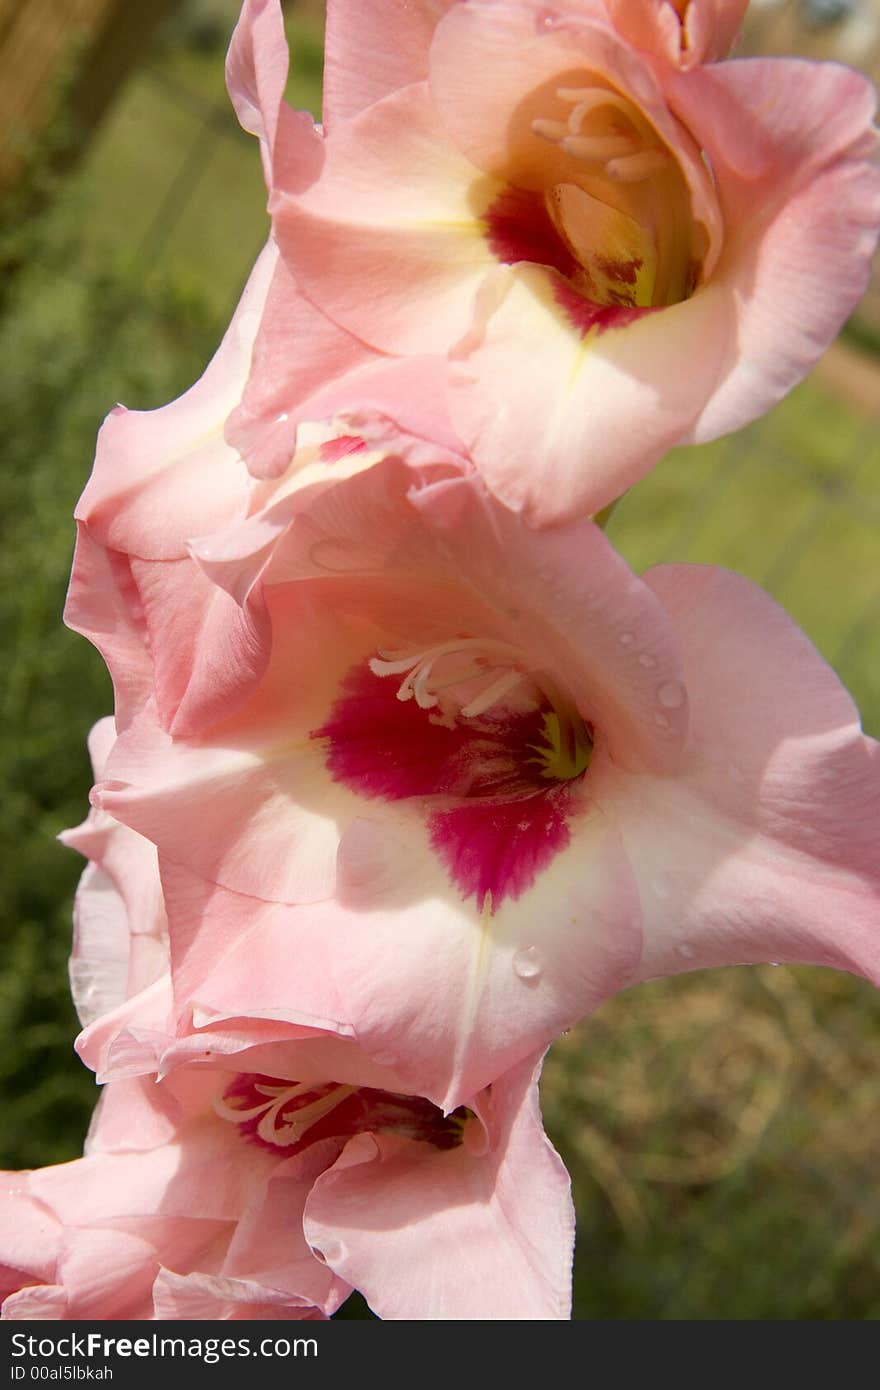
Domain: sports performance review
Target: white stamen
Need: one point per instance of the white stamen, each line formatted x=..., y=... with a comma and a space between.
x=424, y=697
x=492, y=694
x=380, y=666
x=635, y=167
x=600, y=147
x=299, y=1122
x=420, y=683
x=289, y=1127
x=550, y=130
x=620, y=147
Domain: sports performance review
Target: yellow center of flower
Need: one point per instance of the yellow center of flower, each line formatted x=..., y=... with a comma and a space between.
x=618, y=199
x=564, y=750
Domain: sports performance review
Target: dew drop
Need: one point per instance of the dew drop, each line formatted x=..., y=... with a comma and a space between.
x=527, y=963
x=385, y=1059
x=661, y=721
x=330, y=1252
x=686, y=952
x=671, y=694
x=626, y=639
x=647, y=660
x=735, y=773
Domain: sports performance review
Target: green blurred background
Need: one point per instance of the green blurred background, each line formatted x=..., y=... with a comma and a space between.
x=721, y=1128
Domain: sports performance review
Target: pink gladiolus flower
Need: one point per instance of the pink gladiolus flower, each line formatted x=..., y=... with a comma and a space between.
x=488, y=778
x=261, y=1188
x=613, y=255
x=265, y=1181
x=229, y=452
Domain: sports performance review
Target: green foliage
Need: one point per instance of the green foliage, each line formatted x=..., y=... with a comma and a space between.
x=58, y=381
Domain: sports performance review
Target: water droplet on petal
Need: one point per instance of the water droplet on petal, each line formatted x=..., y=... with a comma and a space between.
x=385, y=1059
x=735, y=773
x=671, y=694
x=661, y=721
x=330, y=1252
x=626, y=639
x=685, y=951
x=647, y=660
x=527, y=963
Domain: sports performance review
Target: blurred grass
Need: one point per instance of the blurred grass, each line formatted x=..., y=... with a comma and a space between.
x=721, y=1133
x=721, y=1128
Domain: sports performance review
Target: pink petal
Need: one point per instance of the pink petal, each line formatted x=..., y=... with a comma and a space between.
x=703, y=32
x=219, y=1298
x=765, y=846
x=801, y=195
x=119, y=918
x=125, y=1041
x=226, y=953
x=133, y=1114
x=263, y=427
x=360, y=963
x=270, y=1249
x=372, y=50
x=29, y=1237
x=36, y=1303
x=181, y=796
x=256, y=73
x=544, y=427
x=107, y=1274
x=208, y=650
x=389, y=241
x=102, y=604
x=453, y=1235
x=487, y=60
x=518, y=976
